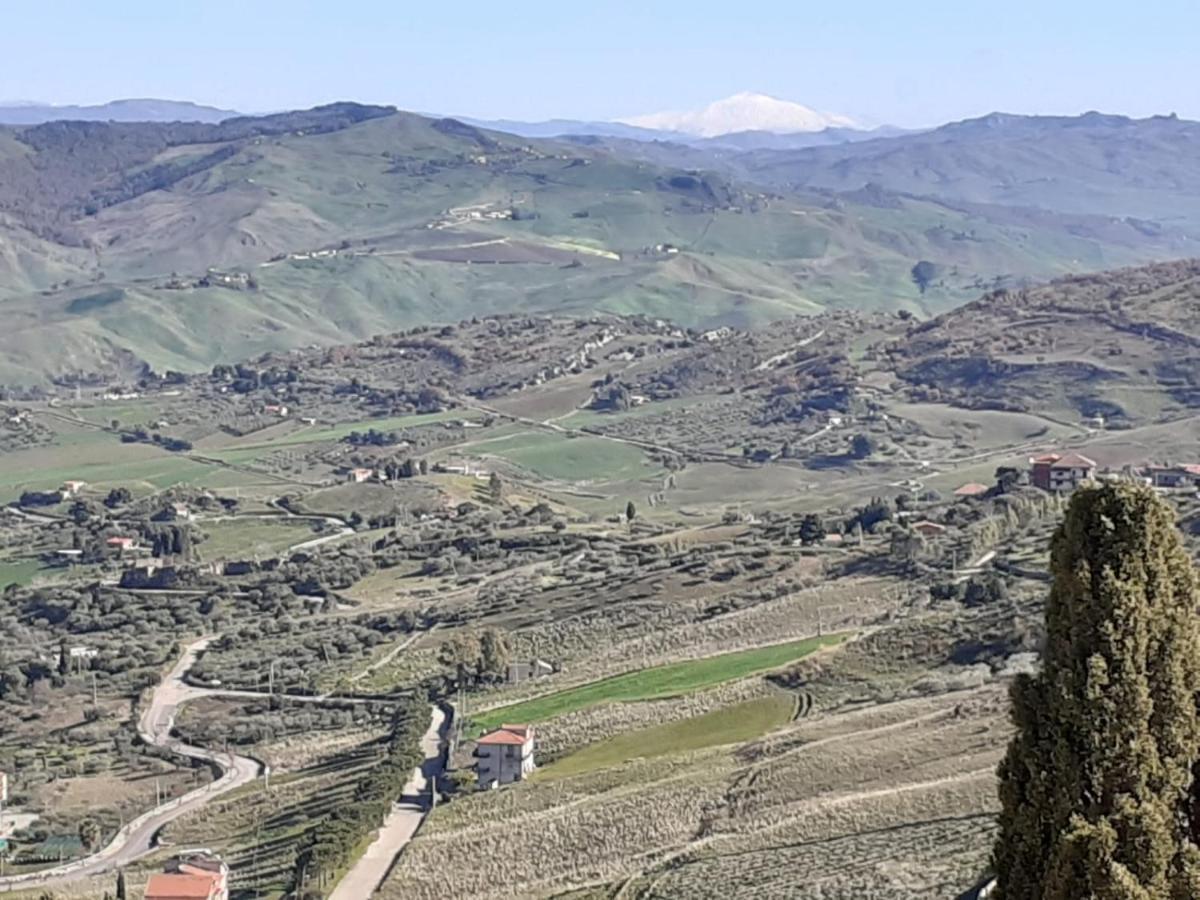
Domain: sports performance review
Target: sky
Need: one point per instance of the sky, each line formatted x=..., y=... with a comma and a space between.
x=882, y=61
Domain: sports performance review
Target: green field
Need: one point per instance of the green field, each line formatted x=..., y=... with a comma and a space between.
x=729, y=725
x=250, y=537
x=660, y=681
x=18, y=571
x=97, y=458
x=572, y=459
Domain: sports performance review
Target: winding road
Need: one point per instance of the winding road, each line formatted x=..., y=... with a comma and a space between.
x=137, y=838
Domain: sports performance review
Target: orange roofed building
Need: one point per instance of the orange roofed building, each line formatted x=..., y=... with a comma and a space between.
x=196, y=876
x=504, y=756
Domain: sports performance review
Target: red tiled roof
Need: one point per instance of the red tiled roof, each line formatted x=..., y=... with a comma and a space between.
x=925, y=523
x=1192, y=470
x=163, y=886
x=973, y=489
x=1074, y=461
x=507, y=734
x=1046, y=459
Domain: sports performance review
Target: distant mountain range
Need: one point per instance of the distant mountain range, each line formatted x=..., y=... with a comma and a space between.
x=147, y=110
x=1093, y=164
x=743, y=122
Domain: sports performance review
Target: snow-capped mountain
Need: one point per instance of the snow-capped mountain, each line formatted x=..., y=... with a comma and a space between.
x=743, y=112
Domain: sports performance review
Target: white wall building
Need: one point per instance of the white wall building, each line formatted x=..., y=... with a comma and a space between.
x=504, y=756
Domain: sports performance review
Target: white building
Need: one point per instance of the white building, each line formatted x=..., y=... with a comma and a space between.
x=504, y=756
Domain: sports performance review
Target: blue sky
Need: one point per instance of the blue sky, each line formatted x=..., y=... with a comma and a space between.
x=910, y=63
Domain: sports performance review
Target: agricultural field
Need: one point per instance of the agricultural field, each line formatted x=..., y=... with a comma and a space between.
x=657, y=682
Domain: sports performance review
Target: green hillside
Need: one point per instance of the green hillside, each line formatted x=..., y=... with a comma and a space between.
x=337, y=223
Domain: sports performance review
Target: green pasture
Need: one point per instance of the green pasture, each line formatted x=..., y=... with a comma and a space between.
x=660, y=681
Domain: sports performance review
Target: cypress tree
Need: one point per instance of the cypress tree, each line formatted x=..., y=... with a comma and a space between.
x=1095, y=786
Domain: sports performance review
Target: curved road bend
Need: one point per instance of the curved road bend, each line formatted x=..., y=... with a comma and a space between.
x=136, y=839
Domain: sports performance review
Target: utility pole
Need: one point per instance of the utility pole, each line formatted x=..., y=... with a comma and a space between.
x=95, y=701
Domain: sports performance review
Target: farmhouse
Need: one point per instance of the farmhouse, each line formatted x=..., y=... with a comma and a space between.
x=122, y=543
x=1055, y=473
x=72, y=488
x=523, y=671
x=1173, y=476
x=181, y=513
x=504, y=756
x=358, y=476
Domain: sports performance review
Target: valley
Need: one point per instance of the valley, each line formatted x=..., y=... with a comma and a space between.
x=654, y=506
x=759, y=592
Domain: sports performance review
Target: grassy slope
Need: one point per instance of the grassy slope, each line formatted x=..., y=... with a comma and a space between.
x=730, y=725
x=659, y=681
x=572, y=459
x=746, y=260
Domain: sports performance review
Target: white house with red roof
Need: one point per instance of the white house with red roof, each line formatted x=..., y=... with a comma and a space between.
x=504, y=756
x=1054, y=472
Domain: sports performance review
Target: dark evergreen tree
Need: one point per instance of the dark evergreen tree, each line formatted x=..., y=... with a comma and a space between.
x=812, y=529
x=1095, y=786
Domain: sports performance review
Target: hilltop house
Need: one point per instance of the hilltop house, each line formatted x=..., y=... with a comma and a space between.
x=504, y=756
x=1056, y=473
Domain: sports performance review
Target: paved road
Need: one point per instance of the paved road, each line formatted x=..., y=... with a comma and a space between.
x=401, y=824
x=137, y=839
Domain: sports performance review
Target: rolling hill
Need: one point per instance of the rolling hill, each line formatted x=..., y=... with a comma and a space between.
x=1092, y=164
x=1123, y=346
x=181, y=245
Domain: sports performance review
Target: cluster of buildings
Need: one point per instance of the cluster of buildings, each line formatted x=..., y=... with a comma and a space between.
x=1060, y=473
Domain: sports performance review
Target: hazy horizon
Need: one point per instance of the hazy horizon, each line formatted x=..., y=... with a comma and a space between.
x=873, y=61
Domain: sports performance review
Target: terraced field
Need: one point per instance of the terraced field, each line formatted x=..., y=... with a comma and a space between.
x=658, y=682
